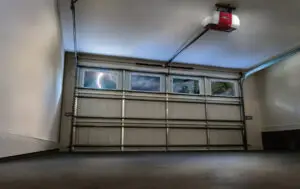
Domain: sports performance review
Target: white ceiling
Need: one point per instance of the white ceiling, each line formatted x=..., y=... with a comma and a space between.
x=155, y=29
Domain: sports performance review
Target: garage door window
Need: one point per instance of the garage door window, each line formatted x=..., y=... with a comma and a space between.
x=100, y=79
x=223, y=88
x=185, y=85
x=146, y=82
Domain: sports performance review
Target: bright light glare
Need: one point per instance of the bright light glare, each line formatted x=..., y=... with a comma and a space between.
x=99, y=78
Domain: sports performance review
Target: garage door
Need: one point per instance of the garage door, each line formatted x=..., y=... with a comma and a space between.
x=138, y=109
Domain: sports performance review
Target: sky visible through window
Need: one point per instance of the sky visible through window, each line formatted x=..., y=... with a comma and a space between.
x=145, y=83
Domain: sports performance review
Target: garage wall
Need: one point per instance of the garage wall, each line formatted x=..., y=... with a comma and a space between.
x=100, y=116
x=279, y=90
x=31, y=73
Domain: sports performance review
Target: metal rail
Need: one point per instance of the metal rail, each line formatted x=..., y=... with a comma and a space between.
x=206, y=116
x=160, y=146
x=159, y=127
x=243, y=114
x=186, y=45
x=123, y=112
x=73, y=9
x=167, y=114
x=158, y=93
x=193, y=101
x=157, y=119
x=160, y=123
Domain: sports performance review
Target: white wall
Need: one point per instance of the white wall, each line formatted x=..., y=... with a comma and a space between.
x=31, y=72
x=279, y=94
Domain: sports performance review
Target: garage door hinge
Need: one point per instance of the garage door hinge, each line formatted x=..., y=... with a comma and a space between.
x=68, y=114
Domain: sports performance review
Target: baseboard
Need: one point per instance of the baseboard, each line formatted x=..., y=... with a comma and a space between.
x=14, y=145
x=29, y=155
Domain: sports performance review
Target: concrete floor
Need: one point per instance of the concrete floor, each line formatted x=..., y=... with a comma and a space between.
x=154, y=171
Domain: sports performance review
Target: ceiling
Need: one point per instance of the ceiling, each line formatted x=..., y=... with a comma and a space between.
x=155, y=29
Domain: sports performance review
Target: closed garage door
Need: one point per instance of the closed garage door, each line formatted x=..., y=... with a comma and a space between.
x=137, y=109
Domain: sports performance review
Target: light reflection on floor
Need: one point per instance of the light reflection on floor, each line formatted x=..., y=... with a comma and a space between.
x=174, y=170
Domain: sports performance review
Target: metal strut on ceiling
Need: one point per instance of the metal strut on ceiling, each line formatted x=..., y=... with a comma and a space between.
x=186, y=45
x=220, y=7
x=73, y=9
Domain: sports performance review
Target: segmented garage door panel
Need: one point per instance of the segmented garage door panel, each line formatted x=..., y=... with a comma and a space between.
x=105, y=136
x=147, y=136
x=223, y=112
x=82, y=136
x=187, y=137
x=99, y=107
x=225, y=137
x=186, y=111
x=98, y=136
x=144, y=109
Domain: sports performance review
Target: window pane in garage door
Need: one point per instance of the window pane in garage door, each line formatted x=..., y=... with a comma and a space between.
x=223, y=88
x=146, y=82
x=185, y=85
x=100, y=80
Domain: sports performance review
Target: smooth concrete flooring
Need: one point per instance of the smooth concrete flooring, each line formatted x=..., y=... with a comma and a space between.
x=154, y=171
